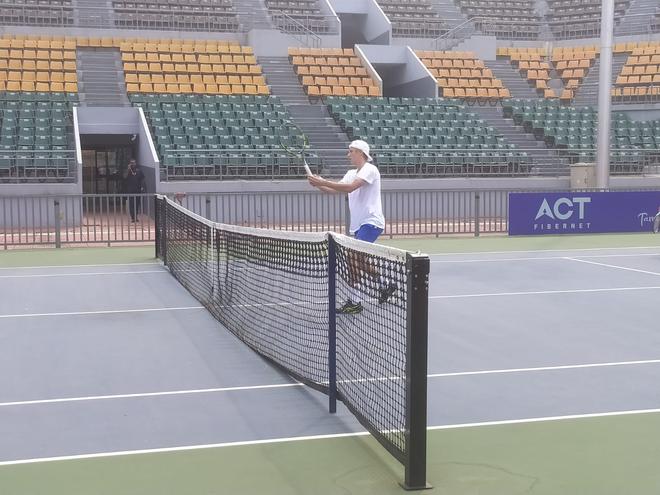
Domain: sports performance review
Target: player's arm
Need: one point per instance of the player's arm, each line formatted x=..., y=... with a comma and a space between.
x=332, y=186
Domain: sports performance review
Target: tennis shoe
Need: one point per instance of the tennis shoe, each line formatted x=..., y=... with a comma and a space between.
x=386, y=292
x=350, y=308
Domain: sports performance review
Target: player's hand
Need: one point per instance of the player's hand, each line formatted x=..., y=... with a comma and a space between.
x=316, y=180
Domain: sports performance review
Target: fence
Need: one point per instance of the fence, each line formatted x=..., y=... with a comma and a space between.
x=105, y=219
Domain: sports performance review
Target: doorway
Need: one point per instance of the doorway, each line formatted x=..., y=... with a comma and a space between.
x=104, y=169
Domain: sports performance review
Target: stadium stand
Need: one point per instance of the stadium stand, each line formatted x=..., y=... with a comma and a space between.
x=413, y=18
x=37, y=65
x=184, y=15
x=579, y=18
x=427, y=136
x=191, y=66
x=532, y=65
x=634, y=145
x=640, y=76
x=305, y=12
x=38, y=87
x=572, y=64
x=462, y=75
x=332, y=72
x=221, y=136
x=33, y=13
x=35, y=134
x=505, y=19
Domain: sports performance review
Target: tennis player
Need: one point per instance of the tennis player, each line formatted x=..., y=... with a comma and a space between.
x=362, y=184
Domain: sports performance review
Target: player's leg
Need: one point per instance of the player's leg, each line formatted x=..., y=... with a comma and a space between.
x=370, y=233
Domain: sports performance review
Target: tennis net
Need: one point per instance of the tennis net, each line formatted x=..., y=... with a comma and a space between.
x=277, y=291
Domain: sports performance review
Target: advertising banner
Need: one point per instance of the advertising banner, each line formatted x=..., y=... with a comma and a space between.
x=582, y=213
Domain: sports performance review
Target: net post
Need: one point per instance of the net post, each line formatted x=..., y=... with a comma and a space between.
x=477, y=212
x=157, y=224
x=418, y=266
x=163, y=229
x=58, y=225
x=332, y=325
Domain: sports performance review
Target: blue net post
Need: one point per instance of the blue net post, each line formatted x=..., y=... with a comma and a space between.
x=332, y=326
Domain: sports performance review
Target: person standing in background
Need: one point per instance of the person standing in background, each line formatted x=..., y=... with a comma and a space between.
x=134, y=184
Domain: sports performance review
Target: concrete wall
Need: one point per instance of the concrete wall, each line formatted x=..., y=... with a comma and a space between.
x=363, y=21
x=108, y=120
x=146, y=154
x=402, y=72
x=484, y=47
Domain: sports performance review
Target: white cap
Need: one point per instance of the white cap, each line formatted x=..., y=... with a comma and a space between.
x=358, y=144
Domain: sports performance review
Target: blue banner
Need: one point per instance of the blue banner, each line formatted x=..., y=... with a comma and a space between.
x=582, y=213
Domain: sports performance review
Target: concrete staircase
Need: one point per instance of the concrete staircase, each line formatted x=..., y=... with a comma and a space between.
x=325, y=137
x=282, y=79
x=253, y=14
x=101, y=77
x=587, y=92
x=638, y=18
x=518, y=86
x=449, y=12
x=93, y=13
x=544, y=161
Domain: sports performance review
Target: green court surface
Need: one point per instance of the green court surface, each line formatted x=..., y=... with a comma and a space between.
x=595, y=455
x=464, y=244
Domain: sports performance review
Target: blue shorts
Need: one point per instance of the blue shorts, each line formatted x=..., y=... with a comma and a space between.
x=368, y=232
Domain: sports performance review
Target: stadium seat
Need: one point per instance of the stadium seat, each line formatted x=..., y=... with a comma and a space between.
x=235, y=73
x=427, y=136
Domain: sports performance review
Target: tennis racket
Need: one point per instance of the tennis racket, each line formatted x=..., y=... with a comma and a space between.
x=298, y=152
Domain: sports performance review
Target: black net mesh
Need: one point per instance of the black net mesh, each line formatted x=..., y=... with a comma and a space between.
x=270, y=288
x=371, y=345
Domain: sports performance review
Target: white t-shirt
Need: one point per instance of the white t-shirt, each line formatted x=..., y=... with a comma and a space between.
x=364, y=203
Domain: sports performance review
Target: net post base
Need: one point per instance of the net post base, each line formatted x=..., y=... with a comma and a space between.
x=409, y=488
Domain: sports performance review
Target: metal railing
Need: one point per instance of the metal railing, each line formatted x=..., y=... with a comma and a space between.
x=409, y=27
x=33, y=165
x=75, y=219
x=542, y=30
x=105, y=219
x=305, y=29
x=455, y=35
x=414, y=162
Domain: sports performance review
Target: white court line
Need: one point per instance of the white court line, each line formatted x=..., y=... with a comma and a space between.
x=542, y=292
x=545, y=258
x=298, y=384
x=104, y=312
x=85, y=274
x=566, y=250
x=321, y=437
x=74, y=266
x=149, y=394
x=544, y=368
x=613, y=266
